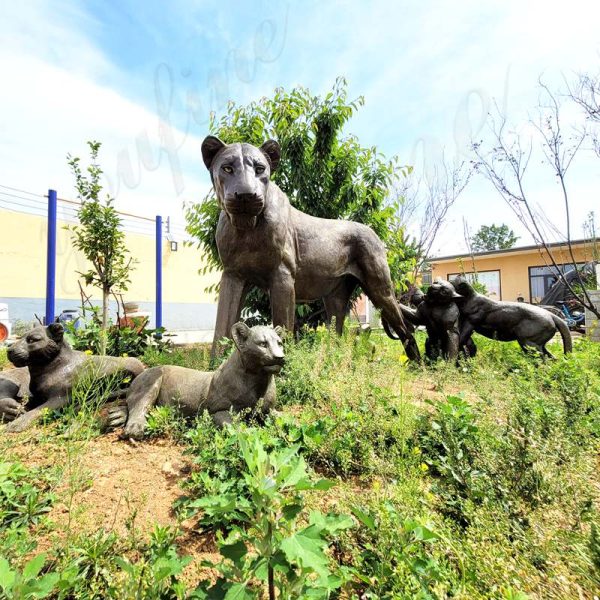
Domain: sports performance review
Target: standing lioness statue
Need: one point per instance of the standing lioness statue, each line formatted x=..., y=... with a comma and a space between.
x=245, y=381
x=264, y=241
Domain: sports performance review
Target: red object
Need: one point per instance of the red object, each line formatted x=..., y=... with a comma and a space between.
x=3, y=332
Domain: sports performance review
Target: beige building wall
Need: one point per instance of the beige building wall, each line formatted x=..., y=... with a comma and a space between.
x=23, y=241
x=513, y=267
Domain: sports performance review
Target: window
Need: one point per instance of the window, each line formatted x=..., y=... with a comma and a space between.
x=426, y=277
x=541, y=279
x=490, y=279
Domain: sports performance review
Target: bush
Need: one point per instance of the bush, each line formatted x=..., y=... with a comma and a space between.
x=119, y=341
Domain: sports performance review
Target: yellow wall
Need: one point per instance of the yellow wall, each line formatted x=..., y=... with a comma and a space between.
x=513, y=266
x=23, y=264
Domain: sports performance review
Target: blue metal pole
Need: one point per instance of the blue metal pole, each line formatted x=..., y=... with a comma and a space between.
x=51, y=257
x=158, y=271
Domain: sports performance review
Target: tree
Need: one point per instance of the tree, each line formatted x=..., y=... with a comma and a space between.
x=493, y=237
x=423, y=202
x=324, y=172
x=586, y=93
x=99, y=236
x=504, y=160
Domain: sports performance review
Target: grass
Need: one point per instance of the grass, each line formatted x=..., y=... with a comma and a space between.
x=477, y=481
x=3, y=359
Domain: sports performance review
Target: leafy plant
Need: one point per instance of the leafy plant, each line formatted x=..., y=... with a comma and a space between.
x=449, y=445
x=164, y=421
x=26, y=584
x=117, y=340
x=99, y=235
x=22, y=503
x=268, y=549
x=393, y=554
x=493, y=237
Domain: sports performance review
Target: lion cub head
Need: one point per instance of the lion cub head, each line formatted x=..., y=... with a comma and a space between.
x=39, y=346
x=240, y=174
x=441, y=292
x=463, y=287
x=260, y=347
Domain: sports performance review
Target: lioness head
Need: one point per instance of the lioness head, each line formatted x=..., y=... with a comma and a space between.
x=260, y=347
x=240, y=174
x=441, y=292
x=38, y=346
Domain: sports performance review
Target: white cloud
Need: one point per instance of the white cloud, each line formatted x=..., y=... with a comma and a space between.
x=55, y=103
x=417, y=65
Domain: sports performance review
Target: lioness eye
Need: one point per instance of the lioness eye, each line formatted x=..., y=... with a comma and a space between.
x=259, y=169
x=227, y=169
x=263, y=344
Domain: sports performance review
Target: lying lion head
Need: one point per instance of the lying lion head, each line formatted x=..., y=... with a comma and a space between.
x=38, y=346
x=260, y=347
x=240, y=174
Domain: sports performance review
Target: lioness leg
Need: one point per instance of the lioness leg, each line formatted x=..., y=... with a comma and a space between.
x=231, y=300
x=336, y=304
x=283, y=299
x=141, y=397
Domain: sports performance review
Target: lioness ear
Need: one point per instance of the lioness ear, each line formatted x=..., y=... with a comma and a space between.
x=279, y=330
x=240, y=332
x=272, y=150
x=56, y=331
x=210, y=148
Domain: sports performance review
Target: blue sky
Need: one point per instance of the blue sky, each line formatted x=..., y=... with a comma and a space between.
x=142, y=78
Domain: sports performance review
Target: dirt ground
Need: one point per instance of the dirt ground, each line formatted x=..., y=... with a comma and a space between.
x=117, y=486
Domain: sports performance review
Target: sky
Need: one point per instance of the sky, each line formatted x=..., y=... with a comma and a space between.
x=143, y=77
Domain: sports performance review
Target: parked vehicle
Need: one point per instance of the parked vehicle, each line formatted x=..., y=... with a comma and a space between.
x=4, y=323
x=573, y=314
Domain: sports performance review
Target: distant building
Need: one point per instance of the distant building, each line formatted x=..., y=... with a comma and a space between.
x=186, y=304
x=509, y=274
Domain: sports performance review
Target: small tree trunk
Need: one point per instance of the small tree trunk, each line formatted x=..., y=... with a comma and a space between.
x=271, y=583
x=104, y=340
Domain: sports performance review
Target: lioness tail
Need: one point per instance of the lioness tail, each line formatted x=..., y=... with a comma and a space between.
x=562, y=327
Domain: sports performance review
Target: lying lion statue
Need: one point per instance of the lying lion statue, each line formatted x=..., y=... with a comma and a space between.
x=54, y=368
x=244, y=381
x=531, y=326
x=14, y=391
x=263, y=241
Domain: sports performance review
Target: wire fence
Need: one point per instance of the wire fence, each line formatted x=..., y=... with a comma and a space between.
x=19, y=200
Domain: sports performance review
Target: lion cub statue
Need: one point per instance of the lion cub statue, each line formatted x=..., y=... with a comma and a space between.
x=244, y=381
x=54, y=368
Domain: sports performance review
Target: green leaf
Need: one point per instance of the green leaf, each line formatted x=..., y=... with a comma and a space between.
x=291, y=511
x=364, y=517
x=7, y=576
x=330, y=523
x=234, y=552
x=34, y=566
x=238, y=591
x=323, y=485
x=305, y=548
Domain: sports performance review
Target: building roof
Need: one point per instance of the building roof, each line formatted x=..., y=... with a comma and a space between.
x=498, y=253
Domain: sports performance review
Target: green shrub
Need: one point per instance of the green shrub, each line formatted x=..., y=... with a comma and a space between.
x=449, y=441
x=393, y=554
x=266, y=550
x=25, y=500
x=119, y=341
x=165, y=421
